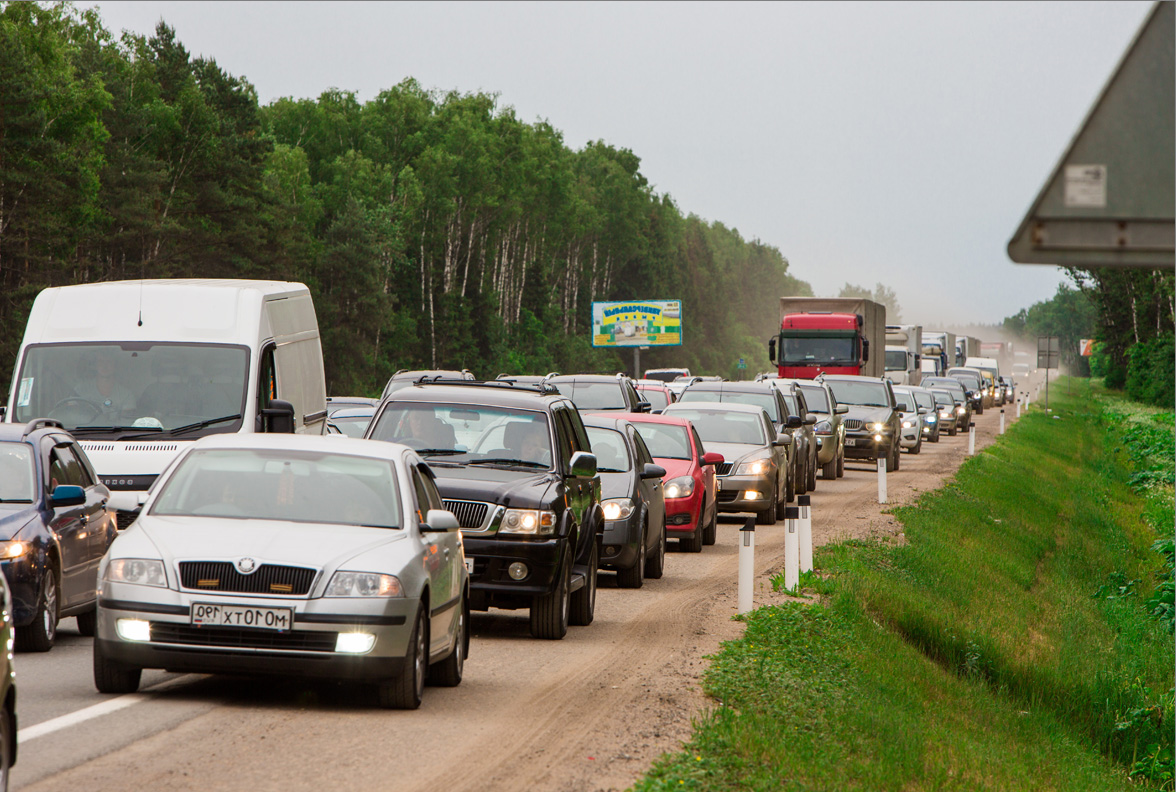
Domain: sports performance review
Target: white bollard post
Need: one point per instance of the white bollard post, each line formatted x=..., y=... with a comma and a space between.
x=806, y=533
x=746, y=565
x=972, y=440
x=881, y=480
x=1002, y=420
x=791, y=549
x=1018, y=409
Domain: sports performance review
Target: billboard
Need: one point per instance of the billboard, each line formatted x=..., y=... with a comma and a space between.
x=637, y=323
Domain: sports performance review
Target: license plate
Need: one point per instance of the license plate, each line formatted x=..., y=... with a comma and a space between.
x=206, y=614
x=469, y=562
x=851, y=441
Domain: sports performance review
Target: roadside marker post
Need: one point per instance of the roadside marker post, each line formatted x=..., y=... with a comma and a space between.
x=1002, y=420
x=1018, y=409
x=972, y=440
x=881, y=480
x=806, y=533
x=746, y=565
x=791, y=549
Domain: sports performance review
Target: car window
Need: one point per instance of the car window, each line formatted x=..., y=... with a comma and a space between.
x=565, y=436
x=769, y=429
x=64, y=468
x=665, y=441
x=427, y=496
x=17, y=473
x=815, y=399
x=903, y=401
x=590, y=396
x=88, y=474
x=767, y=401
x=925, y=399
x=579, y=433
x=697, y=441
x=609, y=446
x=643, y=455
x=866, y=394
x=466, y=433
x=657, y=398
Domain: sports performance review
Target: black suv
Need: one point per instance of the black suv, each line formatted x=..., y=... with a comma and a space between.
x=599, y=392
x=514, y=464
x=54, y=529
x=873, y=425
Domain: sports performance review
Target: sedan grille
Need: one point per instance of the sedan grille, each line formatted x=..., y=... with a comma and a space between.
x=727, y=496
x=854, y=424
x=469, y=514
x=241, y=638
x=268, y=579
x=724, y=468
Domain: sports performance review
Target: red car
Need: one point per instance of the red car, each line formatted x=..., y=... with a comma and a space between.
x=689, y=484
x=656, y=393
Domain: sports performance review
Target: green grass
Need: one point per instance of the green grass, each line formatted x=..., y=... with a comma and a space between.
x=1006, y=645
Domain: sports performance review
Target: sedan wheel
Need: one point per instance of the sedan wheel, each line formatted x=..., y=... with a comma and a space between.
x=407, y=689
x=447, y=673
x=656, y=563
x=711, y=533
x=7, y=744
x=634, y=576
x=42, y=632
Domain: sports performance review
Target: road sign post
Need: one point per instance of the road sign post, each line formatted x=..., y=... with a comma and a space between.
x=1048, y=356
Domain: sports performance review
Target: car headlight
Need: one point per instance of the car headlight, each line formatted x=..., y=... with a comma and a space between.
x=617, y=508
x=141, y=571
x=945, y=414
x=13, y=549
x=530, y=522
x=681, y=487
x=879, y=427
x=753, y=467
x=363, y=584
x=960, y=410
x=823, y=427
x=907, y=424
x=930, y=418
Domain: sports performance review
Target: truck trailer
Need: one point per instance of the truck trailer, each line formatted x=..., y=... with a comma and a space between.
x=940, y=345
x=829, y=335
x=904, y=354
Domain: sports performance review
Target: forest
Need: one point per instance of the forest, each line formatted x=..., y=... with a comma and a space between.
x=434, y=229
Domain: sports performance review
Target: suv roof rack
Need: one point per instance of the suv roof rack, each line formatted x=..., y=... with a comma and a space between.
x=41, y=423
x=541, y=388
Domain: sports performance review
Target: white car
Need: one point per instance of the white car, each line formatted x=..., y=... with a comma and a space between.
x=288, y=554
x=911, y=420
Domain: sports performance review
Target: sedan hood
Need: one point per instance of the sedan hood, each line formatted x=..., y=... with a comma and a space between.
x=13, y=517
x=616, y=485
x=733, y=452
x=676, y=467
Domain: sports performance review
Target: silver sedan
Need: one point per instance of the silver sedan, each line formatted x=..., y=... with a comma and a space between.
x=288, y=554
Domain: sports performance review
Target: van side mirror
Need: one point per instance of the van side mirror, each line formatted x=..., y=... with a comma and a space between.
x=583, y=464
x=278, y=418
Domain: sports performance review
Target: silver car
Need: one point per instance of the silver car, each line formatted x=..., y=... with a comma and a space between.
x=288, y=554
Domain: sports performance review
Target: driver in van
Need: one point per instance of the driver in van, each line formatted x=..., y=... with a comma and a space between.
x=104, y=391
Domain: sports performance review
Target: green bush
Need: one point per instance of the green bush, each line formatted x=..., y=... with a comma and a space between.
x=1151, y=373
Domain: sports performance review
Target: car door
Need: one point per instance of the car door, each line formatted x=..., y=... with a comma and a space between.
x=100, y=526
x=779, y=453
x=441, y=554
x=69, y=525
x=710, y=478
x=652, y=490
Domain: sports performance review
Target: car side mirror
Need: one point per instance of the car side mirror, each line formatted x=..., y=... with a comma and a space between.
x=644, y=406
x=810, y=419
x=793, y=422
x=67, y=495
x=278, y=418
x=782, y=440
x=841, y=409
x=583, y=464
x=439, y=521
x=713, y=458
x=923, y=411
x=652, y=471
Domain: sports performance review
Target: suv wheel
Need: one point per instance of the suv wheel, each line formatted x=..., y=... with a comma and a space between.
x=549, y=612
x=829, y=469
x=583, y=605
x=812, y=474
x=655, y=565
x=42, y=632
x=841, y=463
x=634, y=576
x=892, y=454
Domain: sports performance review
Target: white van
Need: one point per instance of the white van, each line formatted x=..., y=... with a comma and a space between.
x=137, y=370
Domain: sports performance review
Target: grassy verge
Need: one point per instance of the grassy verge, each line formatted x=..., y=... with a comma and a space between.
x=1009, y=644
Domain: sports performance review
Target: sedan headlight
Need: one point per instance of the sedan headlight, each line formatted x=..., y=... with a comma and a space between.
x=363, y=584
x=960, y=410
x=823, y=427
x=13, y=549
x=141, y=571
x=907, y=424
x=617, y=508
x=530, y=522
x=753, y=467
x=930, y=418
x=945, y=414
x=681, y=487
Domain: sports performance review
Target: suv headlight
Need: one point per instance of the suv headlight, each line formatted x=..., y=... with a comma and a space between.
x=528, y=522
x=141, y=571
x=616, y=508
x=753, y=467
x=823, y=427
x=908, y=424
x=363, y=584
x=881, y=427
x=681, y=487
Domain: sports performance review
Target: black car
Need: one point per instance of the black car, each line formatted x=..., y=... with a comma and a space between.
x=873, y=425
x=973, y=382
x=515, y=465
x=596, y=392
x=404, y=378
x=54, y=529
x=632, y=499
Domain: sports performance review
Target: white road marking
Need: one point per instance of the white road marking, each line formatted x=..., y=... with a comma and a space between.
x=95, y=711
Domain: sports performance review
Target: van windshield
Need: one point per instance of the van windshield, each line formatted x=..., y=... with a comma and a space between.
x=117, y=389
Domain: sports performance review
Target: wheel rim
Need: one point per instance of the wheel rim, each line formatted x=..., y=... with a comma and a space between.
x=418, y=663
x=49, y=616
x=459, y=649
x=565, y=605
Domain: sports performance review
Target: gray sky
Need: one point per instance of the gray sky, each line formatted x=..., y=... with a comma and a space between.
x=893, y=142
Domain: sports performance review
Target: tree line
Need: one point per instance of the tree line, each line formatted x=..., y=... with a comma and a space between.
x=434, y=229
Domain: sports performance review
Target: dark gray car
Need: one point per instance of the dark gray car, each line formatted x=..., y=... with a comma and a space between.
x=872, y=425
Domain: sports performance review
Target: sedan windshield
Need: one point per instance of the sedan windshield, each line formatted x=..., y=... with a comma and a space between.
x=904, y=401
x=609, y=447
x=726, y=427
x=16, y=473
x=665, y=441
x=658, y=400
x=864, y=394
x=295, y=486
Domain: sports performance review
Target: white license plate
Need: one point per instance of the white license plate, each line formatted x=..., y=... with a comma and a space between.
x=206, y=614
x=469, y=562
x=851, y=441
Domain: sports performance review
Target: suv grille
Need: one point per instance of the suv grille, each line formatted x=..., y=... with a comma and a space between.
x=724, y=468
x=240, y=638
x=469, y=514
x=854, y=424
x=268, y=579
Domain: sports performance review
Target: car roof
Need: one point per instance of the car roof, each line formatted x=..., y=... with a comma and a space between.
x=603, y=421
x=733, y=387
x=588, y=378
x=301, y=442
x=501, y=395
x=851, y=378
x=31, y=431
x=354, y=412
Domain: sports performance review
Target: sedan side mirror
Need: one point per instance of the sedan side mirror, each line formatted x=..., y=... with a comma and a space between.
x=782, y=440
x=713, y=458
x=439, y=521
x=841, y=409
x=644, y=406
x=652, y=471
x=583, y=464
x=793, y=422
x=810, y=419
x=67, y=495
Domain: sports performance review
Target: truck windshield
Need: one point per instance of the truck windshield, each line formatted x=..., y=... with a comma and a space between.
x=112, y=388
x=896, y=360
x=810, y=351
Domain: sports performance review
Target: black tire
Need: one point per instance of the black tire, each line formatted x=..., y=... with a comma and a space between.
x=954, y=428
x=655, y=564
x=799, y=473
x=693, y=544
x=406, y=690
x=88, y=622
x=781, y=508
x=710, y=534
x=918, y=445
x=841, y=463
x=550, y=611
x=583, y=604
x=634, y=576
x=7, y=744
x=829, y=469
x=447, y=672
x=790, y=489
x=39, y=635
x=892, y=457
x=979, y=410
x=111, y=676
x=897, y=456
x=812, y=474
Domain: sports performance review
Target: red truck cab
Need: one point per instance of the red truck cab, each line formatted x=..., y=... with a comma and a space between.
x=821, y=343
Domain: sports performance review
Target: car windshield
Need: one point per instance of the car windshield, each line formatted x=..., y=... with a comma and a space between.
x=665, y=441
x=725, y=427
x=352, y=425
x=589, y=396
x=809, y=351
x=293, y=486
x=790, y=400
x=765, y=400
x=864, y=394
x=468, y=434
x=16, y=473
x=943, y=399
x=925, y=399
x=143, y=386
x=666, y=375
x=896, y=360
x=904, y=401
x=949, y=384
x=658, y=400
x=816, y=399
x=609, y=447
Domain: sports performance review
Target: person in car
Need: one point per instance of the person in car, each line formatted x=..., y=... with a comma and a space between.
x=427, y=429
x=529, y=441
x=104, y=391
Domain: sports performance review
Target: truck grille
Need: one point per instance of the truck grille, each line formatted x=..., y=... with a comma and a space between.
x=241, y=638
x=853, y=424
x=724, y=468
x=469, y=514
x=268, y=579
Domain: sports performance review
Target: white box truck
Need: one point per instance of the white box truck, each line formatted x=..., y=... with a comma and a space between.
x=136, y=370
x=904, y=354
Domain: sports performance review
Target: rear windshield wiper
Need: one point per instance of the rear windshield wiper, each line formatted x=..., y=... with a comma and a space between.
x=500, y=461
x=202, y=424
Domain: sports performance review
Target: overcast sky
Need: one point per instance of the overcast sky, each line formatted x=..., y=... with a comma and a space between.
x=892, y=142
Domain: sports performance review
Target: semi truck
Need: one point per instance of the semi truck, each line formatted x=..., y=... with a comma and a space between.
x=829, y=335
x=939, y=345
x=966, y=347
x=904, y=354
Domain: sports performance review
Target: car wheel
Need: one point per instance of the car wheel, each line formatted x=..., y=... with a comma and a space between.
x=841, y=463
x=42, y=632
x=88, y=622
x=447, y=673
x=954, y=428
x=799, y=473
x=656, y=563
x=7, y=744
x=711, y=534
x=406, y=690
x=634, y=576
x=918, y=445
x=549, y=612
x=892, y=457
x=583, y=605
x=781, y=507
x=111, y=676
x=768, y=515
x=829, y=469
x=693, y=544
x=790, y=489
x=812, y=474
